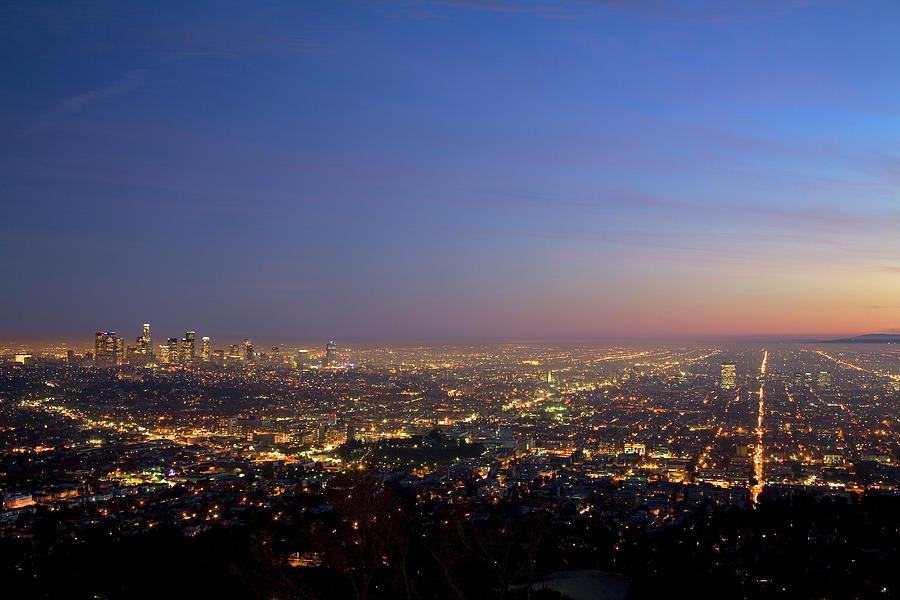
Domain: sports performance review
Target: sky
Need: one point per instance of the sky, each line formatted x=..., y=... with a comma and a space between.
x=426, y=169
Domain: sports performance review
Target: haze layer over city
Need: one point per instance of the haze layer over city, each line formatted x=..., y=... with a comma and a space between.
x=450, y=300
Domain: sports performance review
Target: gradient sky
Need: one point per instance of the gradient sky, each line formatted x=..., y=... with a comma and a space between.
x=456, y=168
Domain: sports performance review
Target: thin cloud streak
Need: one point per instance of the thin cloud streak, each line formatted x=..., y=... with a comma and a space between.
x=501, y=7
x=132, y=81
x=665, y=9
x=813, y=218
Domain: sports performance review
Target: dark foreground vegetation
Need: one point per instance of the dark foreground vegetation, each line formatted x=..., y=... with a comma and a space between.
x=364, y=538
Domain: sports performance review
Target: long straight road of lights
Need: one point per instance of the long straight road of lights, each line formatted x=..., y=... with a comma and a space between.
x=758, y=453
x=850, y=365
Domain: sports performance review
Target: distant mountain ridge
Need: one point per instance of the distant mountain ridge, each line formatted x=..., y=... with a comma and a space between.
x=869, y=338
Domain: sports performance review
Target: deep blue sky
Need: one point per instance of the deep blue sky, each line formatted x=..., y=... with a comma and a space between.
x=465, y=168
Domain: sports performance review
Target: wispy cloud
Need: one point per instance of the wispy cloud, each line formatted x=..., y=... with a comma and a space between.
x=669, y=9
x=816, y=218
x=498, y=6
x=132, y=81
x=224, y=56
x=577, y=7
x=889, y=269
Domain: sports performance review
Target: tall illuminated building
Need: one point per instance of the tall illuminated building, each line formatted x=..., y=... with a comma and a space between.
x=110, y=345
x=823, y=380
x=276, y=355
x=172, y=350
x=204, y=349
x=330, y=354
x=108, y=348
x=187, y=346
x=728, y=376
x=118, y=350
x=248, y=349
x=143, y=344
x=99, y=345
x=303, y=360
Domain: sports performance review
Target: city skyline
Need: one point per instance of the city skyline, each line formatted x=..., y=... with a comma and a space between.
x=459, y=170
x=85, y=341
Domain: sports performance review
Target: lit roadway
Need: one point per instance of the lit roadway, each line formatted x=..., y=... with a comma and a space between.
x=850, y=365
x=758, y=453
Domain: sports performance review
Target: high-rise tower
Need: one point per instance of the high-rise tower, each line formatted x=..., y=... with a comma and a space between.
x=187, y=346
x=108, y=349
x=728, y=376
x=303, y=360
x=118, y=346
x=99, y=345
x=143, y=343
x=172, y=350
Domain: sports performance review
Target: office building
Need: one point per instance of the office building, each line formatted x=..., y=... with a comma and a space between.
x=118, y=350
x=189, y=337
x=172, y=350
x=144, y=344
x=99, y=345
x=204, y=349
x=303, y=360
x=729, y=376
x=109, y=349
x=187, y=346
